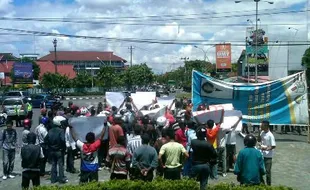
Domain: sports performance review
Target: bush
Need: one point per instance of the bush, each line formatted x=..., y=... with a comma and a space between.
x=158, y=184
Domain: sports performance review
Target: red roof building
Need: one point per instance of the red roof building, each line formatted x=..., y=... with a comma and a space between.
x=86, y=61
x=49, y=67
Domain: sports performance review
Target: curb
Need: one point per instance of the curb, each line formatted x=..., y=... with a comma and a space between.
x=85, y=98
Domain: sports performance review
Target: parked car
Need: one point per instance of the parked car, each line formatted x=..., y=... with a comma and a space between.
x=16, y=94
x=8, y=107
x=37, y=99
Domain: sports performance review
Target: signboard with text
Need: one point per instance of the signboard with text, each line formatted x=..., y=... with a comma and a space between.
x=223, y=57
x=23, y=73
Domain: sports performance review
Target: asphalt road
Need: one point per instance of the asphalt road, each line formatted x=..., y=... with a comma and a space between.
x=290, y=167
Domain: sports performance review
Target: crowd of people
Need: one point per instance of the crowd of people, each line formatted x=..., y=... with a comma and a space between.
x=135, y=146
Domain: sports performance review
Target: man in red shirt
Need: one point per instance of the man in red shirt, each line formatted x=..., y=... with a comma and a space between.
x=115, y=131
x=180, y=133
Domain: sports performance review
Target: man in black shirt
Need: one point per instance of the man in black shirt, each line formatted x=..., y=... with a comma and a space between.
x=31, y=155
x=204, y=155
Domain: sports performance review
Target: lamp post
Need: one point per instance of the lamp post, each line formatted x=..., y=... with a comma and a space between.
x=288, y=49
x=204, y=53
x=256, y=30
x=55, y=52
x=101, y=61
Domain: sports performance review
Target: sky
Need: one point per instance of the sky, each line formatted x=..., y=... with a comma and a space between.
x=205, y=22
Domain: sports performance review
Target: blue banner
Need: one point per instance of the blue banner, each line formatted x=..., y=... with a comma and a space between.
x=283, y=101
x=23, y=73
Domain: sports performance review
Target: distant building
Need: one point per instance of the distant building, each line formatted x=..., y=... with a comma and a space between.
x=31, y=56
x=86, y=61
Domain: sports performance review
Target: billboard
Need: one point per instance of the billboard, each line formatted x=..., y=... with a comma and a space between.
x=223, y=57
x=23, y=73
x=262, y=51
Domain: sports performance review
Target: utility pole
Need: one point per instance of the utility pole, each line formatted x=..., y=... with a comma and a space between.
x=55, y=52
x=131, y=49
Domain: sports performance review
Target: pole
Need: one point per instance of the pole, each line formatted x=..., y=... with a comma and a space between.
x=131, y=48
x=256, y=50
x=288, y=58
x=246, y=61
x=92, y=75
x=110, y=59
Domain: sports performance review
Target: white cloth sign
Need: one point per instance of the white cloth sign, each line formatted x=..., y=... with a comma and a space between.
x=143, y=98
x=155, y=113
x=166, y=101
x=115, y=98
x=221, y=106
x=84, y=125
x=205, y=115
x=230, y=118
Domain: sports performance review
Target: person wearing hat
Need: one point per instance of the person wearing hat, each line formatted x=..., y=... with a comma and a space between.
x=26, y=131
x=204, y=155
x=55, y=140
x=31, y=156
x=249, y=166
x=41, y=132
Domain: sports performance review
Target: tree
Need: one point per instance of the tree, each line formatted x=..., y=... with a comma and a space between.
x=305, y=61
x=35, y=68
x=139, y=75
x=106, y=77
x=82, y=80
x=55, y=81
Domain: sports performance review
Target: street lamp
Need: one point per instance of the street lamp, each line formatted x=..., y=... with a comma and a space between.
x=288, y=48
x=205, y=52
x=55, y=61
x=101, y=61
x=256, y=29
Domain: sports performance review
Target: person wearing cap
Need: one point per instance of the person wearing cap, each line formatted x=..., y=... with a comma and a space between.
x=41, y=132
x=115, y=130
x=249, y=166
x=55, y=140
x=172, y=151
x=204, y=155
x=31, y=156
x=43, y=114
x=26, y=131
x=8, y=139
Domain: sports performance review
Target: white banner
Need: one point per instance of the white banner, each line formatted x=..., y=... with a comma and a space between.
x=166, y=101
x=141, y=99
x=230, y=118
x=115, y=98
x=84, y=125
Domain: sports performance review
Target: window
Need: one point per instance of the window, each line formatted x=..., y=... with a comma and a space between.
x=12, y=102
x=13, y=94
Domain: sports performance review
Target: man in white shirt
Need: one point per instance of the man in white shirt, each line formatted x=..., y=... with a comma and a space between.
x=71, y=148
x=268, y=144
x=41, y=132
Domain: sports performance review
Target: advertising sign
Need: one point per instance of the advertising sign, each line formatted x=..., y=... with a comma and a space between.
x=23, y=73
x=223, y=56
x=281, y=102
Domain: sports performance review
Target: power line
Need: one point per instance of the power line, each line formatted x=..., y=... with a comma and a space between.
x=67, y=20
x=150, y=41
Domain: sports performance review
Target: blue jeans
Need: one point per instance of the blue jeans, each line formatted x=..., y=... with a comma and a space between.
x=202, y=171
x=57, y=158
x=188, y=165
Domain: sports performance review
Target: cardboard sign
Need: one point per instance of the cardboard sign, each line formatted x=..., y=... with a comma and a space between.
x=203, y=116
x=221, y=106
x=143, y=98
x=84, y=125
x=115, y=98
x=230, y=118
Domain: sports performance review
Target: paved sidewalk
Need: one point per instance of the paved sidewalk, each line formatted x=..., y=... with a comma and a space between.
x=291, y=166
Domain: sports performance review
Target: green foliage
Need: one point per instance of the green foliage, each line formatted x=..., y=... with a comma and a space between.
x=55, y=81
x=106, y=77
x=35, y=68
x=158, y=184
x=82, y=80
x=305, y=61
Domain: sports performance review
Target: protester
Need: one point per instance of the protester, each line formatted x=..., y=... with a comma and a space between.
x=31, y=156
x=190, y=135
x=158, y=144
x=115, y=130
x=71, y=151
x=89, y=155
x=227, y=146
x=212, y=134
x=250, y=163
x=145, y=160
x=55, y=140
x=135, y=141
x=180, y=136
x=41, y=132
x=26, y=131
x=104, y=146
x=119, y=160
x=268, y=144
x=8, y=140
x=172, y=152
x=43, y=114
x=204, y=155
